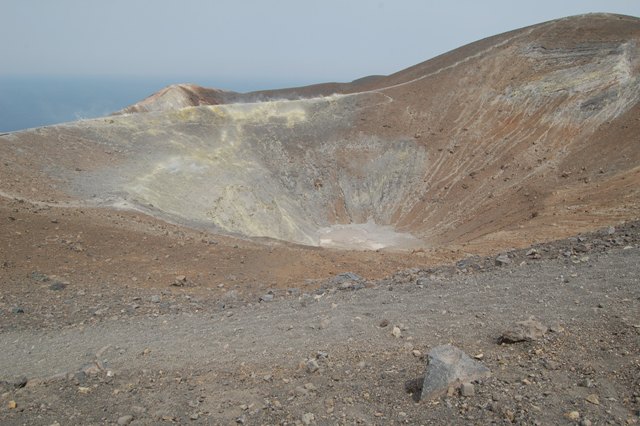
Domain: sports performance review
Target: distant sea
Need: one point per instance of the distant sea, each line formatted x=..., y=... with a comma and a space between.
x=34, y=101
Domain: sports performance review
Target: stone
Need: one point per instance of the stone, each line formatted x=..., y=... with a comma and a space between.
x=351, y=285
x=312, y=366
x=12, y=405
x=180, y=281
x=467, y=389
x=446, y=366
x=533, y=254
x=502, y=260
x=266, y=297
x=300, y=391
x=383, y=323
x=345, y=277
x=17, y=310
x=396, y=332
x=125, y=420
x=57, y=286
x=524, y=331
x=573, y=415
x=593, y=399
x=308, y=418
x=322, y=355
x=423, y=281
x=585, y=422
x=155, y=298
x=416, y=353
x=586, y=383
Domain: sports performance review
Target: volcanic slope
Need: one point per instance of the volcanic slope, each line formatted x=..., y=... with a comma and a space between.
x=526, y=136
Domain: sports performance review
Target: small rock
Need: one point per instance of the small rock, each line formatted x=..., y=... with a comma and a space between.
x=312, y=366
x=57, y=286
x=384, y=323
x=524, y=331
x=155, y=298
x=17, y=310
x=448, y=365
x=533, y=254
x=348, y=285
x=573, y=415
x=12, y=405
x=241, y=420
x=125, y=420
x=550, y=364
x=586, y=383
x=416, y=353
x=266, y=297
x=593, y=399
x=396, y=332
x=585, y=422
x=502, y=260
x=509, y=415
x=346, y=276
x=422, y=281
x=83, y=389
x=467, y=389
x=308, y=418
x=300, y=391
x=180, y=281
x=194, y=416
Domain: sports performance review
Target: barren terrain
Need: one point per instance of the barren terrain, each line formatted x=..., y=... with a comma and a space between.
x=291, y=256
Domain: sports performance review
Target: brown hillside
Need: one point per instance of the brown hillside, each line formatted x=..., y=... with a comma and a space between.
x=519, y=138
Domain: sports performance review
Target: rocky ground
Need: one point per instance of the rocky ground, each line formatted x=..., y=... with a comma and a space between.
x=345, y=350
x=118, y=305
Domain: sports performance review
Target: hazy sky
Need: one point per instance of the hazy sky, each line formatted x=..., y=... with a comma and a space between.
x=280, y=41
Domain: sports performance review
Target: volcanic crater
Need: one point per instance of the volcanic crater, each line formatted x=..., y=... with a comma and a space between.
x=515, y=135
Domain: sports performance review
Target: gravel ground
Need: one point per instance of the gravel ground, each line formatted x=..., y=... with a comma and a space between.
x=329, y=355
